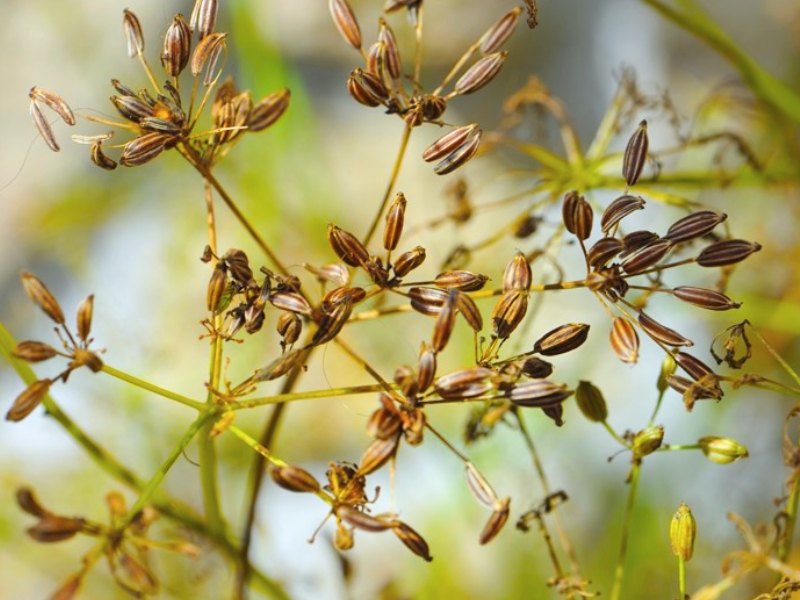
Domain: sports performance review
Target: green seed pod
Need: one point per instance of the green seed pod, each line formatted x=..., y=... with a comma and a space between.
x=591, y=402
x=721, y=450
x=647, y=441
x=682, y=532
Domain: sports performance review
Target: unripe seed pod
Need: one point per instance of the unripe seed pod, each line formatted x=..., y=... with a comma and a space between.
x=683, y=532
x=591, y=402
x=635, y=155
x=721, y=450
x=647, y=441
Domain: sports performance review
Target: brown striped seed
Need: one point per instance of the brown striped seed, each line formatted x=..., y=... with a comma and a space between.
x=577, y=215
x=378, y=453
x=84, y=318
x=444, y=323
x=539, y=393
x=624, y=340
x=426, y=367
x=466, y=281
x=33, y=351
x=481, y=73
x=562, y=339
x=385, y=423
x=101, y=159
x=517, y=275
x=693, y=391
x=29, y=399
x=469, y=310
x=332, y=322
x=30, y=504
x=361, y=520
x=54, y=102
x=132, y=108
x=177, y=47
x=392, y=62
x=207, y=52
x=144, y=148
x=662, y=333
x=591, y=402
x=536, y=368
x=341, y=294
x=646, y=257
x=498, y=34
x=367, y=88
x=427, y=301
x=347, y=246
x=217, y=285
x=345, y=22
x=726, y=252
x=408, y=261
x=636, y=240
x=635, y=155
x=43, y=127
x=412, y=540
x=509, y=312
x=268, y=110
x=395, y=218
x=291, y=302
x=695, y=225
x=479, y=486
x=294, y=479
x=465, y=383
x=133, y=33
x=376, y=59
x=39, y=294
x=52, y=528
x=708, y=299
x=204, y=17
x=603, y=251
x=496, y=521
x=239, y=265
x=460, y=156
x=280, y=366
x=413, y=427
x=618, y=210
x=449, y=142
x=695, y=367
x=289, y=326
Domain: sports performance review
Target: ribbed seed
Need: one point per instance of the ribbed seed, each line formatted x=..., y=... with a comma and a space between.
x=216, y=288
x=562, y=339
x=449, y=143
x=517, y=275
x=636, y=240
x=340, y=294
x=682, y=532
x=361, y=520
x=393, y=62
x=34, y=351
x=268, y=110
x=395, y=218
x=577, y=215
x=646, y=257
x=39, y=294
x=498, y=34
x=508, y=313
x=412, y=540
x=43, y=126
x=346, y=22
x=624, y=340
x=695, y=367
x=289, y=326
x=536, y=368
x=496, y=521
x=367, y=88
x=726, y=252
x=100, y=159
x=54, y=102
x=177, y=47
x=239, y=265
x=426, y=367
x=332, y=322
x=591, y=402
x=292, y=302
x=204, y=17
x=347, y=246
x=84, y=318
x=662, y=333
x=460, y=156
x=618, y=210
x=480, y=487
x=24, y=404
x=444, y=323
x=481, y=73
x=144, y=148
x=469, y=310
x=635, y=155
x=30, y=504
x=708, y=299
x=695, y=225
x=53, y=528
x=378, y=453
x=133, y=33
x=206, y=52
x=603, y=251
x=294, y=479
x=280, y=366
x=465, y=383
x=466, y=281
x=132, y=107
x=427, y=301
x=539, y=393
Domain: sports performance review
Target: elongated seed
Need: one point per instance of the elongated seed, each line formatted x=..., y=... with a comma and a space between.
x=619, y=209
x=517, y=274
x=206, y=52
x=395, y=218
x=662, y=333
x=144, y=148
x=345, y=22
x=591, y=402
x=539, y=393
x=132, y=108
x=54, y=102
x=469, y=310
x=426, y=367
x=38, y=293
x=481, y=73
x=332, y=322
x=636, y=240
x=635, y=154
x=695, y=367
x=509, y=312
x=133, y=33
x=294, y=479
x=562, y=339
x=393, y=62
x=624, y=340
x=444, y=323
x=268, y=110
x=603, y=251
x=460, y=156
x=646, y=257
x=465, y=383
x=347, y=246
x=577, y=215
x=496, y=521
x=100, y=159
x=449, y=142
x=43, y=126
x=412, y=540
x=177, y=47
x=361, y=520
x=498, y=34
x=708, y=299
x=28, y=400
x=726, y=252
x=84, y=318
x=466, y=281
x=695, y=225
x=280, y=366
x=479, y=486
x=204, y=17
x=292, y=302
x=378, y=453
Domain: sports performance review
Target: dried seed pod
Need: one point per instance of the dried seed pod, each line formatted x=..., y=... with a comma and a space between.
x=498, y=34
x=334, y=273
x=449, y=142
x=52, y=528
x=361, y=520
x=603, y=251
x=43, y=127
x=345, y=22
x=696, y=368
x=721, y=450
x=28, y=400
x=539, y=393
x=444, y=323
x=508, y=313
x=34, y=351
x=85, y=311
x=132, y=108
x=41, y=297
x=636, y=240
x=426, y=367
x=692, y=391
x=332, y=322
x=469, y=310
x=30, y=504
x=395, y=218
x=708, y=299
x=393, y=62
x=133, y=33
x=217, y=286
x=344, y=293
x=562, y=339
x=92, y=139
x=162, y=125
x=413, y=427
x=378, y=453
x=481, y=73
x=347, y=246
x=526, y=226
x=238, y=265
x=466, y=281
x=682, y=532
x=578, y=215
x=268, y=110
x=177, y=47
x=695, y=225
x=618, y=210
x=646, y=257
x=496, y=521
x=427, y=301
x=661, y=333
x=144, y=148
x=280, y=366
x=480, y=487
x=536, y=368
x=624, y=340
x=465, y=383
x=384, y=423
x=726, y=252
x=54, y=102
x=460, y=156
x=289, y=327
x=591, y=402
x=100, y=159
x=206, y=53
x=204, y=17
x=412, y=540
x=517, y=275
x=635, y=155
x=367, y=88
x=294, y=479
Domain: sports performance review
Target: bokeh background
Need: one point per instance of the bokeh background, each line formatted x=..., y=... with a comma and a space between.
x=134, y=236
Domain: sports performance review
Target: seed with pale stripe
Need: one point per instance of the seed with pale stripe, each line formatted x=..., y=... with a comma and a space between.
x=133, y=33
x=144, y=148
x=460, y=156
x=34, y=351
x=268, y=110
x=662, y=333
x=480, y=487
x=619, y=209
x=635, y=155
x=84, y=318
x=444, y=323
x=577, y=215
x=469, y=310
x=536, y=368
x=177, y=47
x=562, y=339
x=496, y=521
x=481, y=73
x=39, y=294
x=347, y=246
x=292, y=302
x=393, y=62
x=280, y=366
x=332, y=322
x=412, y=540
x=294, y=479
x=395, y=218
x=361, y=520
x=695, y=225
x=24, y=404
x=466, y=281
x=517, y=274
x=426, y=367
x=367, y=88
x=288, y=327
x=345, y=22
x=43, y=126
x=636, y=240
x=449, y=142
x=539, y=393
x=204, y=17
x=624, y=340
x=427, y=301
x=206, y=52
x=498, y=34
x=30, y=504
x=695, y=367
x=591, y=402
x=603, y=251
x=465, y=383
x=509, y=312
x=646, y=257
x=101, y=159
x=726, y=252
x=53, y=528
x=708, y=299
x=378, y=453
x=132, y=107
x=54, y=102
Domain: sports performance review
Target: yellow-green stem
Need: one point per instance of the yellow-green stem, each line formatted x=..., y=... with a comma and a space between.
x=619, y=569
x=682, y=577
x=146, y=385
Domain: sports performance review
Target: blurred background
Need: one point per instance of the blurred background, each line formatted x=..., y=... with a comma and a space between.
x=133, y=237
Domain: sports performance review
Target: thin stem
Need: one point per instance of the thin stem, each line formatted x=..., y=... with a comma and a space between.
x=146, y=385
x=398, y=162
x=310, y=395
x=787, y=538
x=682, y=577
x=619, y=570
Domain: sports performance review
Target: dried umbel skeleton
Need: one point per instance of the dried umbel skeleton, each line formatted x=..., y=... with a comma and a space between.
x=363, y=279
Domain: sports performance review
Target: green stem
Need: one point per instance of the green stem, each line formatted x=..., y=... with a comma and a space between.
x=619, y=570
x=682, y=577
x=787, y=538
x=311, y=395
x=146, y=385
